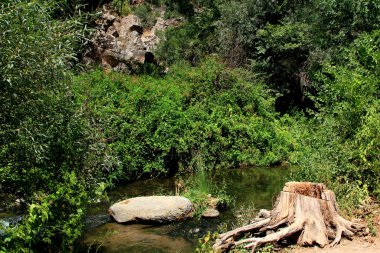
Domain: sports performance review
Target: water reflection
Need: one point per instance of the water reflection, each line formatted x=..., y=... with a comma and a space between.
x=113, y=237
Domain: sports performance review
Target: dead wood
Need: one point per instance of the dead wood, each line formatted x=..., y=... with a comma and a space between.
x=307, y=211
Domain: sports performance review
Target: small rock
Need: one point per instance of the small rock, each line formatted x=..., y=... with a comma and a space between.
x=263, y=213
x=195, y=230
x=19, y=201
x=285, y=164
x=213, y=202
x=4, y=224
x=210, y=213
x=96, y=220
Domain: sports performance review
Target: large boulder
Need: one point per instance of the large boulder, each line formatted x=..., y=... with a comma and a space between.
x=153, y=209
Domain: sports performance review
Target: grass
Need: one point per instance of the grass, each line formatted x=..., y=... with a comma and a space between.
x=199, y=189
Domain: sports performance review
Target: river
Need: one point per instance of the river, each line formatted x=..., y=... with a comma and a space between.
x=248, y=187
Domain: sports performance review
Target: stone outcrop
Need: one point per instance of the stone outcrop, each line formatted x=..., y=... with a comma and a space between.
x=122, y=43
x=153, y=209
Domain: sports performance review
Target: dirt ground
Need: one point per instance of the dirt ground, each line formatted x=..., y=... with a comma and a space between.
x=367, y=244
x=357, y=245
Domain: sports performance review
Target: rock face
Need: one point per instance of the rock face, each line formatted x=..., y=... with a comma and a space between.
x=154, y=209
x=122, y=43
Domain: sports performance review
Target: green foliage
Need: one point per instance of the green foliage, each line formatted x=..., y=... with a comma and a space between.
x=206, y=242
x=191, y=41
x=45, y=142
x=179, y=7
x=122, y=7
x=200, y=187
x=371, y=226
x=245, y=214
x=53, y=221
x=324, y=156
x=25, y=75
x=162, y=125
x=284, y=41
x=288, y=42
x=146, y=13
x=268, y=248
x=342, y=141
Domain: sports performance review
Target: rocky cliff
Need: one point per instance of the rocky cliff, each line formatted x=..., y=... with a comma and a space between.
x=122, y=43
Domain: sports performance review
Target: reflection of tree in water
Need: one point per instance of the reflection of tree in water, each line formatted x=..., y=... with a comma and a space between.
x=113, y=237
x=257, y=185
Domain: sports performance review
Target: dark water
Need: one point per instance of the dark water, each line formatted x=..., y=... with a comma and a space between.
x=256, y=187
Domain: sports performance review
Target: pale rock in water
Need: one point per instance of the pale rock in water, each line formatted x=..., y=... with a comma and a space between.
x=152, y=209
x=210, y=213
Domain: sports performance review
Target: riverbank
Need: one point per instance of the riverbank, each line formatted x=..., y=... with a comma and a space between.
x=368, y=244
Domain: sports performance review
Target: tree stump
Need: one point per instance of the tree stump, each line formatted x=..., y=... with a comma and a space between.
x=305, y=211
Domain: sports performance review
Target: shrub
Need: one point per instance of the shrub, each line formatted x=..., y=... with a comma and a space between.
x=146, y=13
x=340, y=146
x=162, y=125
x=122, y=7
x=45, y=142
x=53, y=222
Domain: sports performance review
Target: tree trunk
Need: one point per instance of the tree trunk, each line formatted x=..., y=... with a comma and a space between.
x=305, y=211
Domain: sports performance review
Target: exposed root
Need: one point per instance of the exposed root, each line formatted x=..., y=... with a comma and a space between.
x=272, y=227
x=239, y=231
x=292, y=229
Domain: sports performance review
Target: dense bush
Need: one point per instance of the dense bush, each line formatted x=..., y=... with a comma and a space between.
x=191, y=41
x=210, y=114
x=314, y=54
x=147, y=14
x=47, y=150
x=122, y=7
x=341, y=146
x=284, y=41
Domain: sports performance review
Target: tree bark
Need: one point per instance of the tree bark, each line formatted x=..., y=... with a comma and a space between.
x=306, y=211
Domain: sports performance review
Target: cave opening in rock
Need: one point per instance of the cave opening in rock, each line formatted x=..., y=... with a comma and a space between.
x=149, y=58
x=136, y=28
